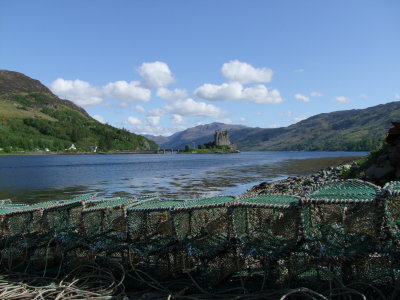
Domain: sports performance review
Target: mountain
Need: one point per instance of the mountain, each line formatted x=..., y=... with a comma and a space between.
x=197, y=135
x=31, y=116
x=349, y=130
x=159, y=139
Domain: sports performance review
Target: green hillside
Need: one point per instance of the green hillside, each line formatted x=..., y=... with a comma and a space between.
x=31, y=117
x=351, y=130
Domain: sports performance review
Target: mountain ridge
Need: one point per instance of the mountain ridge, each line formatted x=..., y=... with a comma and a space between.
x=346, y=130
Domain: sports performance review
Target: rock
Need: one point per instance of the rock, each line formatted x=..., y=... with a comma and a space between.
x=378, y=173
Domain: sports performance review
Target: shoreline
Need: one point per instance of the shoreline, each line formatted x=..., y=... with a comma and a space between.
x=303, y=175
x=146, y=152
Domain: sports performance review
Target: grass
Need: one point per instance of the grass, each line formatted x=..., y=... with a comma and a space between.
x=13, y=110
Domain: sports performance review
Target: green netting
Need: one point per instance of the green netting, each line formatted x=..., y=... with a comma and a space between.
x=149, y=218
x=152, y=236
x=201, y=217
x=8, y=209
x=392, y=211
x=53, y=204
x=148, y=197
x=206, y=202
x=343, y=231
x=85, y=197
x=112, y=203
x=150, y=204
x=344, y=191
x=200, y=222
x=278, y=201
x=267, y=229
x=203, y=229
x=393, y=188
x=106, y=217
x=49, y=205
x=343, y=220
x=54, y=216
x=95, y=201
x=5, y=202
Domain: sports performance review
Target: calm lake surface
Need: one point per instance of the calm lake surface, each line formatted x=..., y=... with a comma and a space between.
x=50, y=177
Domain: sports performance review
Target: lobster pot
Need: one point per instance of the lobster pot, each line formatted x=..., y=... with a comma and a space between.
x=151, y=218
x=152, y=235
x=64, y=216
x=392, y=211
x=42, y=218
x=106, y=218
x=202, y=217
x=342, y=222
x=376, y=268
x=267, y=230
x=18, y=222
x=203, y=230
x=364, y=218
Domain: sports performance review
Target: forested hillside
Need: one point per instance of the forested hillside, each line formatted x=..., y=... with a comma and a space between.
x=31, y=117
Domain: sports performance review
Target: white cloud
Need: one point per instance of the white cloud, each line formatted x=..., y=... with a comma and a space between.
x=364, y=96
x=127, y=91
x=342, y=99
x=397, y=96
x=176, y=94
x=84, y=94
x=177, y=119
x=242, y=119
x=139, y=108
x=78, y=91
x=155, y=74
x=153, y=120
x=235, y=91
x=316, y=94
x=299, y=70
x=225, y=91
x=301, y=97
x=261, y=94
x=146, y=128
x=273, y=126
x=156, y=130
x=245, y=73
x=189, y=107
x=156, y=112
x=134, y=121
x=99, y=118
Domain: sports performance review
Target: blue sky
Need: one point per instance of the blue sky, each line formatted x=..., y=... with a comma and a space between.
x=157, y=67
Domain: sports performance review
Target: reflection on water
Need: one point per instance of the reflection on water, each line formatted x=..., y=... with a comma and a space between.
x=40, y=178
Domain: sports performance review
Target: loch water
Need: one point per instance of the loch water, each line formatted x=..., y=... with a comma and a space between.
x=34, y=178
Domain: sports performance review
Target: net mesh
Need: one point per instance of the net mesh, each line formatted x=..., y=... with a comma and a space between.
x=346, y=229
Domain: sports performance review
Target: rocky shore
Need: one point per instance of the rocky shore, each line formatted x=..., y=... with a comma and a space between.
x=300, y=185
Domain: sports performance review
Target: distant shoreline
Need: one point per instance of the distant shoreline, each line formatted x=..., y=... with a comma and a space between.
x=145, y=152
x=78, y=153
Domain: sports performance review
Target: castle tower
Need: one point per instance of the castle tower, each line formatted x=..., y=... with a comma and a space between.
x=221, y=138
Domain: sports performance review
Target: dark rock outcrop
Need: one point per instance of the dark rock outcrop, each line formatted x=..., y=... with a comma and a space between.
x=386, y=166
